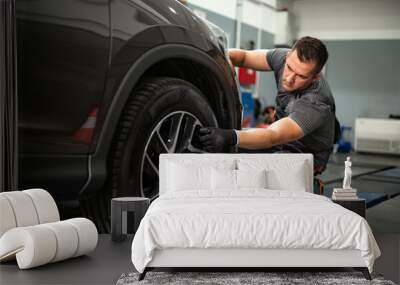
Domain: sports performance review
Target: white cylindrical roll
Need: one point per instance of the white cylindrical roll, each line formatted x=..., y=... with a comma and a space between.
x=67, y=239
x=24, y=210
x=10, y=244
x=34, y=246
x=45, y=205
x=40, y=247
x=87, y=235
x=7, y=218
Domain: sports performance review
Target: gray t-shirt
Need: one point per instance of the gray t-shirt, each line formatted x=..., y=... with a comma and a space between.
x=313, y=109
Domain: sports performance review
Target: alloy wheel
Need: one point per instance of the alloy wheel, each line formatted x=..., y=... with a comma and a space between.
x=173, y=134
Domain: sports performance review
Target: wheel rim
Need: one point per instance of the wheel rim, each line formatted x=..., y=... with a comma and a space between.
x=172, y=134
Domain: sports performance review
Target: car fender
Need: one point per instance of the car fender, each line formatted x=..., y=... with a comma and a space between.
x=97, y=168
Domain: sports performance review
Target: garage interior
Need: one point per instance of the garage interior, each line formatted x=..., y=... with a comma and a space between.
x=363, y=40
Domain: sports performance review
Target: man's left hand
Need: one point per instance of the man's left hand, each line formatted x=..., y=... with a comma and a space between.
x=216, y=139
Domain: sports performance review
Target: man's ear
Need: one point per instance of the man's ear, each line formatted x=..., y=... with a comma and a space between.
x=317, y=76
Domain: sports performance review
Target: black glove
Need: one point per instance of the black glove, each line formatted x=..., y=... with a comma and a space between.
x=217, y=140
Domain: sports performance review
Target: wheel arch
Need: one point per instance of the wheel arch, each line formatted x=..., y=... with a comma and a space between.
x=147, y=66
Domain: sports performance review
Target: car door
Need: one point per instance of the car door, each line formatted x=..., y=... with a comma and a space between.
x=63, y=54
x=63, y=50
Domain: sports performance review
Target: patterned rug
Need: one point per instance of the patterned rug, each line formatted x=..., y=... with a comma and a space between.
x=243, y=278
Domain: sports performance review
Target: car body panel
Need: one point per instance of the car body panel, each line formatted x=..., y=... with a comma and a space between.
x=128, y=38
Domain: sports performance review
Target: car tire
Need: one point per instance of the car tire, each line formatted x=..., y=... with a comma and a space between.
x=159, y=117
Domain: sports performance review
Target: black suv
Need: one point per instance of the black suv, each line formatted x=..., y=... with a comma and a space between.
x=105, y=86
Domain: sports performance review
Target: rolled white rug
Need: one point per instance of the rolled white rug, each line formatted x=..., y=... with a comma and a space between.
x=22, y=207
x=87, y=234
x=26, y=208
x=45, y=205
x=7, y=218
x=37, y=245
x=32, y=246
x=67, y=240
x=31, y=232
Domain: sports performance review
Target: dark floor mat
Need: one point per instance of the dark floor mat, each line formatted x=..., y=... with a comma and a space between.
x=393, y=173
x=390, y=175
x=369, y=184
x=380, y=178
x=335, y=172
x=366, y=159
x=364, y=184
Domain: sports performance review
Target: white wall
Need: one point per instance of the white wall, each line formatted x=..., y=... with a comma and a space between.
x=254, y=14
x=225, y=8
x=325, y=19
x=258, y=15
x=348, y=19
x=363, y=39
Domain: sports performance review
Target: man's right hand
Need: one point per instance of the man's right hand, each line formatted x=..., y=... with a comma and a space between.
x=253, y=59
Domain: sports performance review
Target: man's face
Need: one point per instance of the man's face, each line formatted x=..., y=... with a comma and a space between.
x=297, y=75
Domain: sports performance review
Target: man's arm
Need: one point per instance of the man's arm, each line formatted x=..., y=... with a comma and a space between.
x=254, y=59
x=219, y=140
x=280, y=132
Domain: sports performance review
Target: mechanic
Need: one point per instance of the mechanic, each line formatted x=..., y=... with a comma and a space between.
x=305, y=107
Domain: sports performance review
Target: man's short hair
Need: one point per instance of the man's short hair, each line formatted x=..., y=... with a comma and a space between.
x=311, y=50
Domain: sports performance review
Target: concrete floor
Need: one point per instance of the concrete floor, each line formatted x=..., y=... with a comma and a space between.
x=106, y=264
x=385, y=217
x=102, y=266
x=109, y=260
